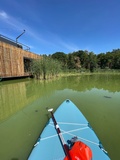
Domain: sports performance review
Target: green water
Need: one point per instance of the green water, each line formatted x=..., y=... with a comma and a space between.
x=23, y=111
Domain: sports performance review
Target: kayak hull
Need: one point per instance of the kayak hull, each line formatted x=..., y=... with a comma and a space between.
x=72, y=123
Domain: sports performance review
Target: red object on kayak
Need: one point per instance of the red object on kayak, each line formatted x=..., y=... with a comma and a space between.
x=80, y=151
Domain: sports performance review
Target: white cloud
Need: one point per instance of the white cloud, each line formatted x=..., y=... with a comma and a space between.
x=62, y=43
x=51, y=40
x=8, y=20
x=3, y=15
x=69, y=46
x=17, y=24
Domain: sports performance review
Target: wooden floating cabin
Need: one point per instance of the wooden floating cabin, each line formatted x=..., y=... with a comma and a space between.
x=15, y=59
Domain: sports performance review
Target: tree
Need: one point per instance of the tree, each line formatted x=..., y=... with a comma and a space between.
x=77, y=63
x=109, y=60
x=116, y=59
x=71, y=61
x=82, y=57
x=92, y=61
x=60, y=56
x=101, y=60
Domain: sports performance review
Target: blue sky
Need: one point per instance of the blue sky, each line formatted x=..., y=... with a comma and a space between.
x=62, y=25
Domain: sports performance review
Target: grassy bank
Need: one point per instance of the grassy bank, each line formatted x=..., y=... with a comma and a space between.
x=80, y=73
x=76, y=73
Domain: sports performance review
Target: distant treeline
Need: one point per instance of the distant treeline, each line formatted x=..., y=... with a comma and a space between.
x=88, y=60
x=49, y=66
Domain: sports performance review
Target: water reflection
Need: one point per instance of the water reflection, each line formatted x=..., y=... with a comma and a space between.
x=83, y=83
x=15, y=96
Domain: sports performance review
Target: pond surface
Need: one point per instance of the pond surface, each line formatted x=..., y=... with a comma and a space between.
x=23, y=112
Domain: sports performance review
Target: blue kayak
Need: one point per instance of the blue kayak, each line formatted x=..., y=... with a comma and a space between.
x=73, y=126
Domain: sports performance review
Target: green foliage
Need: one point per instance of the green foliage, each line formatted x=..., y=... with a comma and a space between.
x=36, y=68
x=82, y=59
x=45, y=67
x=70, y=61
x=61, y=57
x=79, y=61
x=110, y=60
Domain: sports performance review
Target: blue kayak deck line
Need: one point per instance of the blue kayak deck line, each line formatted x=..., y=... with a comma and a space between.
x=72, y=123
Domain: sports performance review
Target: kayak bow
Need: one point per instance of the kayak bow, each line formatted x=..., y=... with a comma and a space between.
x=78, y=150
x=75, y=138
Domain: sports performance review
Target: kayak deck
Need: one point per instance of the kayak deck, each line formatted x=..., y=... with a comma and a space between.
x=72, y=123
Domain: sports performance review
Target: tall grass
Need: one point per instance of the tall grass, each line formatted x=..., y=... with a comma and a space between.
x=45, y=68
